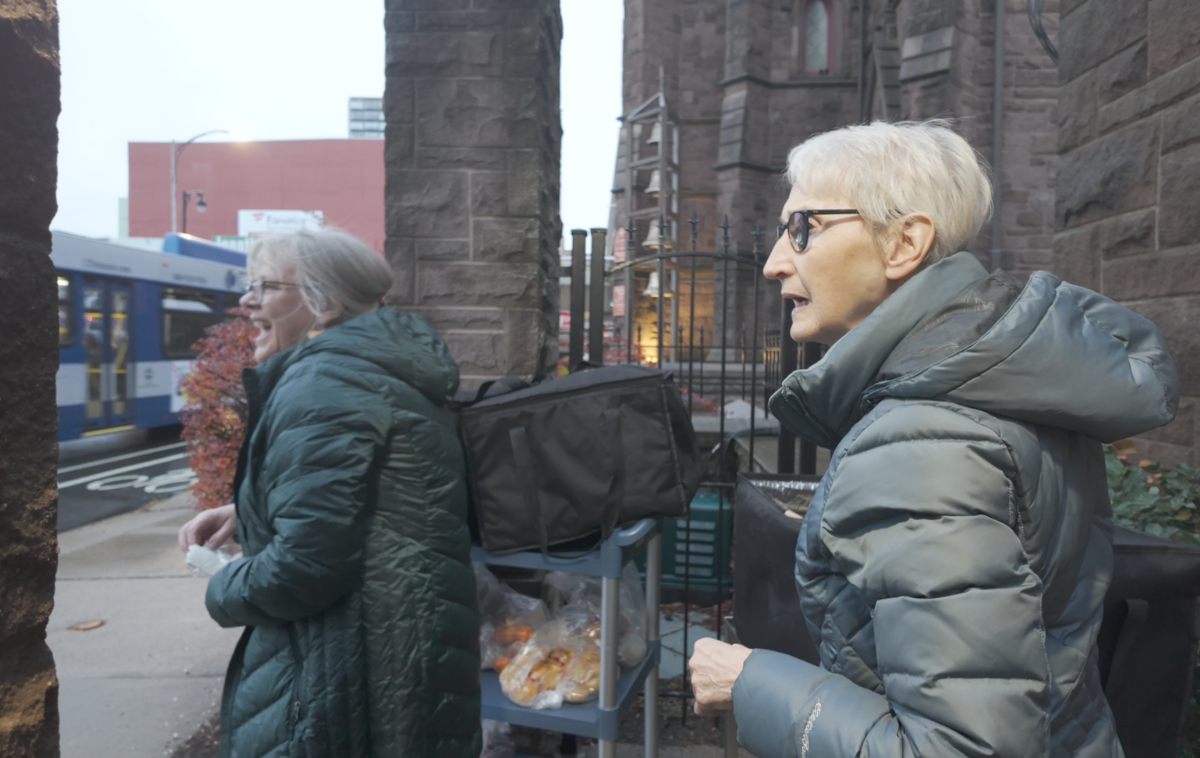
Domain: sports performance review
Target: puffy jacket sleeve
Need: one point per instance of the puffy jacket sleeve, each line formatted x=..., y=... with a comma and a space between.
x=315, y=483
x=921, y=519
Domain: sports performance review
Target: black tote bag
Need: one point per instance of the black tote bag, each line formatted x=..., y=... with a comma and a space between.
x=564, y=459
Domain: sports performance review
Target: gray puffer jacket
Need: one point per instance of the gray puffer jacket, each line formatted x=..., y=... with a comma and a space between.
x=953, y=563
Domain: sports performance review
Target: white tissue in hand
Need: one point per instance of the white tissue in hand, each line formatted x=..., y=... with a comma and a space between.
x=204, y=561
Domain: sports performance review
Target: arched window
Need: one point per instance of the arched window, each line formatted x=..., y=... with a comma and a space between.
x=816, y=37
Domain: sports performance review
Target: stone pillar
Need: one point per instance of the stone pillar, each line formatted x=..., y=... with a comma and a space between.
x=1129, y=175
x=472, y=159
x=29, y=106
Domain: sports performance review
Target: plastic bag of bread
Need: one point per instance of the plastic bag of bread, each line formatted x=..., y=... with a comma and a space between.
x=560, y=663
x=508, y=619
x=578, y=591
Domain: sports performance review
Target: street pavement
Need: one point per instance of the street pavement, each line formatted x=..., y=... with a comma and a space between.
x=104, y=476
x=147, y=678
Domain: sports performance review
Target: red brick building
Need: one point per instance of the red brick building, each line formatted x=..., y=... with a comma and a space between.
x=342, y=178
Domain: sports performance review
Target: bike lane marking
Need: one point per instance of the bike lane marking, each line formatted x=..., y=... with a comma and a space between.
x=115, y=458
x=122, y=470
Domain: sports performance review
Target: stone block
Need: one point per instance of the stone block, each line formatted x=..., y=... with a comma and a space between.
x=1176, y=318
x=531, y=344
x=477, y=353
x=428, y=54
x=1163, y=92
x=398, y=146
x=522, y=66
x=1181, y=125
x=425, y=5
x=465, y=318
x=489, y=193
x=1179, y=217
x=29, y=108
x=1110, y=175
x=445, y=249
x=470, y=158
x=445, y=21
x=505, y=240
x=1096, y=31
x=425, y=203
x=28, y=447
x=493, y=285
x=1174, y=28
x=530, y=175
x=477, y=113
x=396, y=22
x=399, y=253
x=1118, y=236
x=1164, y=274
x=398, y=100
x=1076, y=261
x=1122, y=73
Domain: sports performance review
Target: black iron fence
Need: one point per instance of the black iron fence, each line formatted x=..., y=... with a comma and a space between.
x=726, y=371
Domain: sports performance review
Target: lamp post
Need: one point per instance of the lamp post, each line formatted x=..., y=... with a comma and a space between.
x=201, y=206
x=175, y=151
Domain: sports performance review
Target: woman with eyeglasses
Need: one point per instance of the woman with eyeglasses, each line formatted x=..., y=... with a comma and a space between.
x=953, y=563
x=356, y=588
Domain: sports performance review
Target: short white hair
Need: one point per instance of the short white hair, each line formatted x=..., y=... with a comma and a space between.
x=889, y=170
x=332, y=268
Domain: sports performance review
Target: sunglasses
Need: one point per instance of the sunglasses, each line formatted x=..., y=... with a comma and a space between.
x=797, y=226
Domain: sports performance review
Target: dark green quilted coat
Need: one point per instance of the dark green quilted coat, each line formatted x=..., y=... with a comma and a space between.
x=356, y=589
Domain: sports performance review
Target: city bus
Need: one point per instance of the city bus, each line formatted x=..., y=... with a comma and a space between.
x=127, y=320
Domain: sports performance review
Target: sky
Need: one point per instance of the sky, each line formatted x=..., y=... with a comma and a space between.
x=161, y=70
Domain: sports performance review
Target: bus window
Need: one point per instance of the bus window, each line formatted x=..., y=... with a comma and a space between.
x=186, y=313
x=93, y=343
x=119, y=342
x=66, y=313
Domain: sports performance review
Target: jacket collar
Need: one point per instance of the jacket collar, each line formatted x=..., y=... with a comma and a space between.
x=821, y=403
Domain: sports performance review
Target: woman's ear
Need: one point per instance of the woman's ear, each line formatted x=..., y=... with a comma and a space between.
x=332, y=317
x=909, y=247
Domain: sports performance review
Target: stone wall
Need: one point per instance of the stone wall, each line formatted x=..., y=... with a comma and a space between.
x=29, y=106
x=1129, y=176
x=472, y=159
x=735, y=81
x=960, y=85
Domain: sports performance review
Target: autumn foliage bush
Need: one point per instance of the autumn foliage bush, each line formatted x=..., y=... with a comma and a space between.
x=214, y=419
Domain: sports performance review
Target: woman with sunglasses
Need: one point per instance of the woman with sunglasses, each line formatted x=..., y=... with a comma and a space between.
x=356, y=589
x=953, y=562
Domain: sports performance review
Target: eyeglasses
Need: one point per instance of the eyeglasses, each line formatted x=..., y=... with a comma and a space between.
x=797, y=226
x=259, y=286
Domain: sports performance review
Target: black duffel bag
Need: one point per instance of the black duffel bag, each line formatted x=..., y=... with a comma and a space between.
x=561, y=460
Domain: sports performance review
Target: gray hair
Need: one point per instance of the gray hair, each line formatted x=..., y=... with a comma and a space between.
x=888, y=171
x=332, y=269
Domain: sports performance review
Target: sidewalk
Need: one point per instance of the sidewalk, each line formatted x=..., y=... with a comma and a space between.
x=152, y=674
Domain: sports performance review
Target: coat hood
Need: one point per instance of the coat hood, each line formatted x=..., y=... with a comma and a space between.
x=1047, y=352
x=404, y=345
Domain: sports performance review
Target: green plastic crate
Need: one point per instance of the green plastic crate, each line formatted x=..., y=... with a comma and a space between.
x=695, y=543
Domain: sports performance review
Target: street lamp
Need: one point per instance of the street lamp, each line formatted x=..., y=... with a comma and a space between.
x=175, y=151
x=201, y=206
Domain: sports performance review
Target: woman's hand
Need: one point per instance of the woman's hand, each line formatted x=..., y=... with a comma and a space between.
x=211, y=528
x=715, y=667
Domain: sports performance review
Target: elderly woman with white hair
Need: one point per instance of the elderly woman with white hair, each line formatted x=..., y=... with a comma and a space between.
x=356, y=589
x=954, y=560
